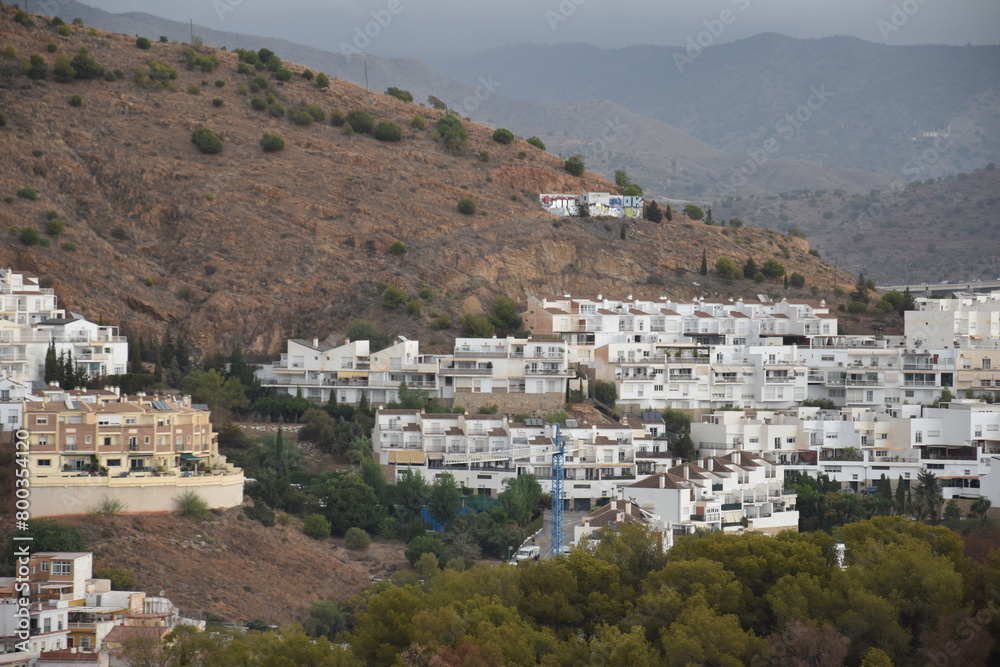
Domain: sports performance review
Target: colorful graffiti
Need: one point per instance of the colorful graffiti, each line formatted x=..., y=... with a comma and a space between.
x=599, y=204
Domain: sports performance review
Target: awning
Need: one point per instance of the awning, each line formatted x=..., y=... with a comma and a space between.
x=406, y=457
x=190, y=457
x=350, y=375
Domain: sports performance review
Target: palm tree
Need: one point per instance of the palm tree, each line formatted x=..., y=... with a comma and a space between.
x=360, y=449
x=980, y=507
x=929, y=498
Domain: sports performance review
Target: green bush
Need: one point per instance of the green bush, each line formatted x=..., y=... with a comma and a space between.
x=76, y=101
x=28, y=193
x=64, y=31
x=466, y=206
x=85, y=65
x=260, y=512
x=283, y=74
x=206, y=140
x=400, y=94
x=393, y=297
x=242, y=68
x=22, y=17
x=29, y=236
x=121, y=580
x=422, y=544
x=51, y=48
x=484, y=156
x=337, y=117
x=78, y=21
x=537, y=143
x=606, y=392
x=36, y=68
x=427, y=294
x=356, y=539
x=694, y=212
x=726, y=268
x=773, y=269
x=418, y=122
x=397, y=248
x=218, y=102
x=574, y=165
x=191, y=505
x=857, y=308
x=193, y=90
x=454, y=134
x=300, y=116
x=316, y=526
x=204, y=63
x=797, y=280
x=322, y=81
x=308, y=75
x=361, y=121
x=503, y=136
x=164, y=39
x=258, y=103
x=143, y=43
x=386, y=131
x=54, y=227
x=68, y=246
x=442, y=321
x=62, y=70
x=3, y=120
x=271, y=142
x=413, y=308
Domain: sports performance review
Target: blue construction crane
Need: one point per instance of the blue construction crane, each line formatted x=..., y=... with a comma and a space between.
x=558, y=493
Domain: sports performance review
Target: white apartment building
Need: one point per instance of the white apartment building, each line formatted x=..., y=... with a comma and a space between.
x=30, y=320
x=969, y=322
x=315, y=370
x=740, y=491
x=959, y=443
x=484, y=451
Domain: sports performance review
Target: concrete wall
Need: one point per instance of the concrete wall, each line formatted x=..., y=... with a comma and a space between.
x=511, y=404
x=62, y=496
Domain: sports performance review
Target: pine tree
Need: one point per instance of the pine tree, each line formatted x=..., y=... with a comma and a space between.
x=669, y=214
x=168, y=349
x=750, y=269
x=51, y=364
x=704, y=263
x=708, y=216
x=182, y=355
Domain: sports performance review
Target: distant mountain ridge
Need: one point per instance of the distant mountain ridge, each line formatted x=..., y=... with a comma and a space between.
x=882, y=99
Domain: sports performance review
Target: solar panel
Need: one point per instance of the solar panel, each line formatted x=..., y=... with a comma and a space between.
x=571, y=423
x=652, y=417
x=161, y=405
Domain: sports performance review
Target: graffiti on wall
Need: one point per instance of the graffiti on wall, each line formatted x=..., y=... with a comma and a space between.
x=598, y=203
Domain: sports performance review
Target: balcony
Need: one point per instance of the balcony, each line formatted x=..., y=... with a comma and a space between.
x=467, y=371
x=855, y=382
x=779, y=379
x=919, y=383
x=549, y=371
x=468, y=353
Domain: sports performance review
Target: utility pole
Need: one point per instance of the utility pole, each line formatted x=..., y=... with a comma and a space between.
x=366, y=70
x=191, y=22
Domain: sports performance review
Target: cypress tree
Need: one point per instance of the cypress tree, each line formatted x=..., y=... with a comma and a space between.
x=51, y=364
x=669, y=214
x=704, y=263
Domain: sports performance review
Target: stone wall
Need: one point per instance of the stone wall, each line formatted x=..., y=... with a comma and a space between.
x=63, y=496
x=512, y=404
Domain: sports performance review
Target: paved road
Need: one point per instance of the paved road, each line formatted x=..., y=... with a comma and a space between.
x=544, y=540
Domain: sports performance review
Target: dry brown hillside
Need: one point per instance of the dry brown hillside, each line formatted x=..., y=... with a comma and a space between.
x=254, y=246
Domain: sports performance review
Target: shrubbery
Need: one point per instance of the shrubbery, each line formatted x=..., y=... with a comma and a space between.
x=206, y=140
x=85, y=65
x=454, y=134
x=143, y=43
x=360, y=121
x=356, y=539
x=404, y=95
x=574, y=165
x=316, y=526
x=271, y=142
x=537, y=143
x=386, y=131
x=466, y=206
x=503, y=136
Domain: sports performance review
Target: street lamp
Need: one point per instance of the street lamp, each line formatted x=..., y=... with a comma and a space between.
x=510, y=549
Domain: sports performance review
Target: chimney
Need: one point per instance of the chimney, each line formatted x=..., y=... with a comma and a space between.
x=315, y=342
x=686, y=469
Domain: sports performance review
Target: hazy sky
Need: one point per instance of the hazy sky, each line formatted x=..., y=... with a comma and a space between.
x=421, y=28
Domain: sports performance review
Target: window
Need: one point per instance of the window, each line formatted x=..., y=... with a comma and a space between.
x=12, y=419
x=86, y=439
x=70, y=443
x=986, y=363
x=918, y=437
x=854, y=477
x=41, y=420
x=129, y=421
x=659, y=387
x=107, y=441
x=43, y=440
x=45, y=566
x=4, y=394
x=44, y=463
x=879, y=453
x=114, y=463
x=61, y=567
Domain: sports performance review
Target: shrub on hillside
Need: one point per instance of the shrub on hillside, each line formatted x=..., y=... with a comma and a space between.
x=218, y=102
x=337, y=117
x=143, y=43
x=28, y=193
x=191, y=505
x=271, y=142
x=726, y=268
x=360, y=121
x=454, y=134
x=356, y=539
x=62, y=70
x=404, y=95
x=85, y=65
x=322, y=81
x=36, y=68
x=574, y=165
x=418, y=122
x=537, y=143
x=260, y=512
x=54, y=227
x=76, y=101
x=386, y=131
x=316, y=526
x=393, y=297
x=797, y=280
x=466, y=206
x=29, y=236
x=503, y=136
x=206, y=140
x=397, y=248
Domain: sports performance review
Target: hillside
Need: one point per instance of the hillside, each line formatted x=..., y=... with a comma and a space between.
x=252, y=246
x=231, y=566
x=944, y=229
x=667, y=161
x=877, y=100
